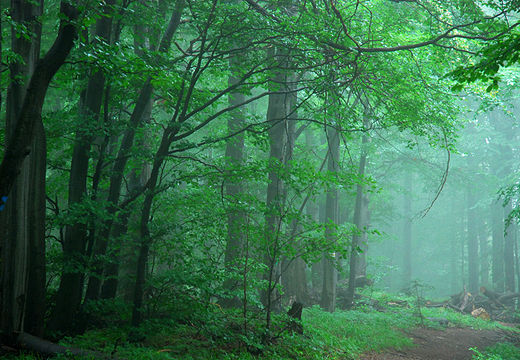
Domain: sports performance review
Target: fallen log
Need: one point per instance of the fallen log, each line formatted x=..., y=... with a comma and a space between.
x=498, y=298
x=35, y=344
x=508, y=296
x=492, y=295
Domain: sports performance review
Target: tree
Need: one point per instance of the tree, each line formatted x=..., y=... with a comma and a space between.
x=70, y=292
x=407, y=231
x=235, y=160
x=360, y=211
x=330, y=260
x=23, y=223
x=22, y=135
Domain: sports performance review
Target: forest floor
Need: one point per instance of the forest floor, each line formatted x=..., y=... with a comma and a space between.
x=446, y=344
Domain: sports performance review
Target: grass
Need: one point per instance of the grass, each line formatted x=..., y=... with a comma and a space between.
x=503, y=351
x=341, y=335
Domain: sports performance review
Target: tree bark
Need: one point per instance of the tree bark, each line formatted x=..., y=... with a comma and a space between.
x=330, y=260
x=234, y=160
x=359, y=216
x=484, y=248
x=509, y=248
x=18, y=270
x=294, y=277
x=30, y=113
x=473, y=261
x=497, y=247
x=70, y=291
x=24, y=225
x=146, y=239
x=407, y=231
x=136, y=120
x=277, y=114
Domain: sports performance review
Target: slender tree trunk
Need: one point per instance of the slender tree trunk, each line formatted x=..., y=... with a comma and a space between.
x=294, y=278
x=146, y=239
x=484, y=250
x=313, y=210
x=509, y=257
x=497, y=267
x=463, y=238
x=140, y=115
x=111, y=278
x=359, y=216
x=278, y=112
x=407, y=231
x=454, y=258
x=330, y=260
x=473, y=268
x=235, y=215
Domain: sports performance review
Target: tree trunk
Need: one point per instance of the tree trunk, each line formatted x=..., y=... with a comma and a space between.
x=359, y=215
x=294, y=277
x=140, y=115
x=407, y=231
x=111, y=279
x=330, y=260
x=313, y=210
x=24, y=225
x=235, y=215
x=70, y=291
x=454, y=255
x=509, y=247
x=473, y=271
x=484, y=249
x=497, y=259
x=146, y=239
x=19, y=270
x=277, y=113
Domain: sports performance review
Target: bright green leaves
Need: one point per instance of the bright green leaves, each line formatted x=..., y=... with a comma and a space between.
x=501, y=53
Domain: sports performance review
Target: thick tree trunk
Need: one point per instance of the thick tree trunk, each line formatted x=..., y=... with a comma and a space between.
x=21, y=138
x=24, y=224
x=35, y=225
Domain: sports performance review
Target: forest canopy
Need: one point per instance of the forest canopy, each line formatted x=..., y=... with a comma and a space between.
x=174, y=156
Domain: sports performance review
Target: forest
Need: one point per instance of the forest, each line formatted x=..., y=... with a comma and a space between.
x=193, y=161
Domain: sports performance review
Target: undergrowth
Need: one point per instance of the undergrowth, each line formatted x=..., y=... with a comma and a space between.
x=502, y=351
x=224, y=335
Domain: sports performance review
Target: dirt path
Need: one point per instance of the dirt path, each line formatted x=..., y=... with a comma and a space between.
x=448, y=344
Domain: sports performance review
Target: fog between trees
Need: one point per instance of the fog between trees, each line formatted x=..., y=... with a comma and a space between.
x=248, y=154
